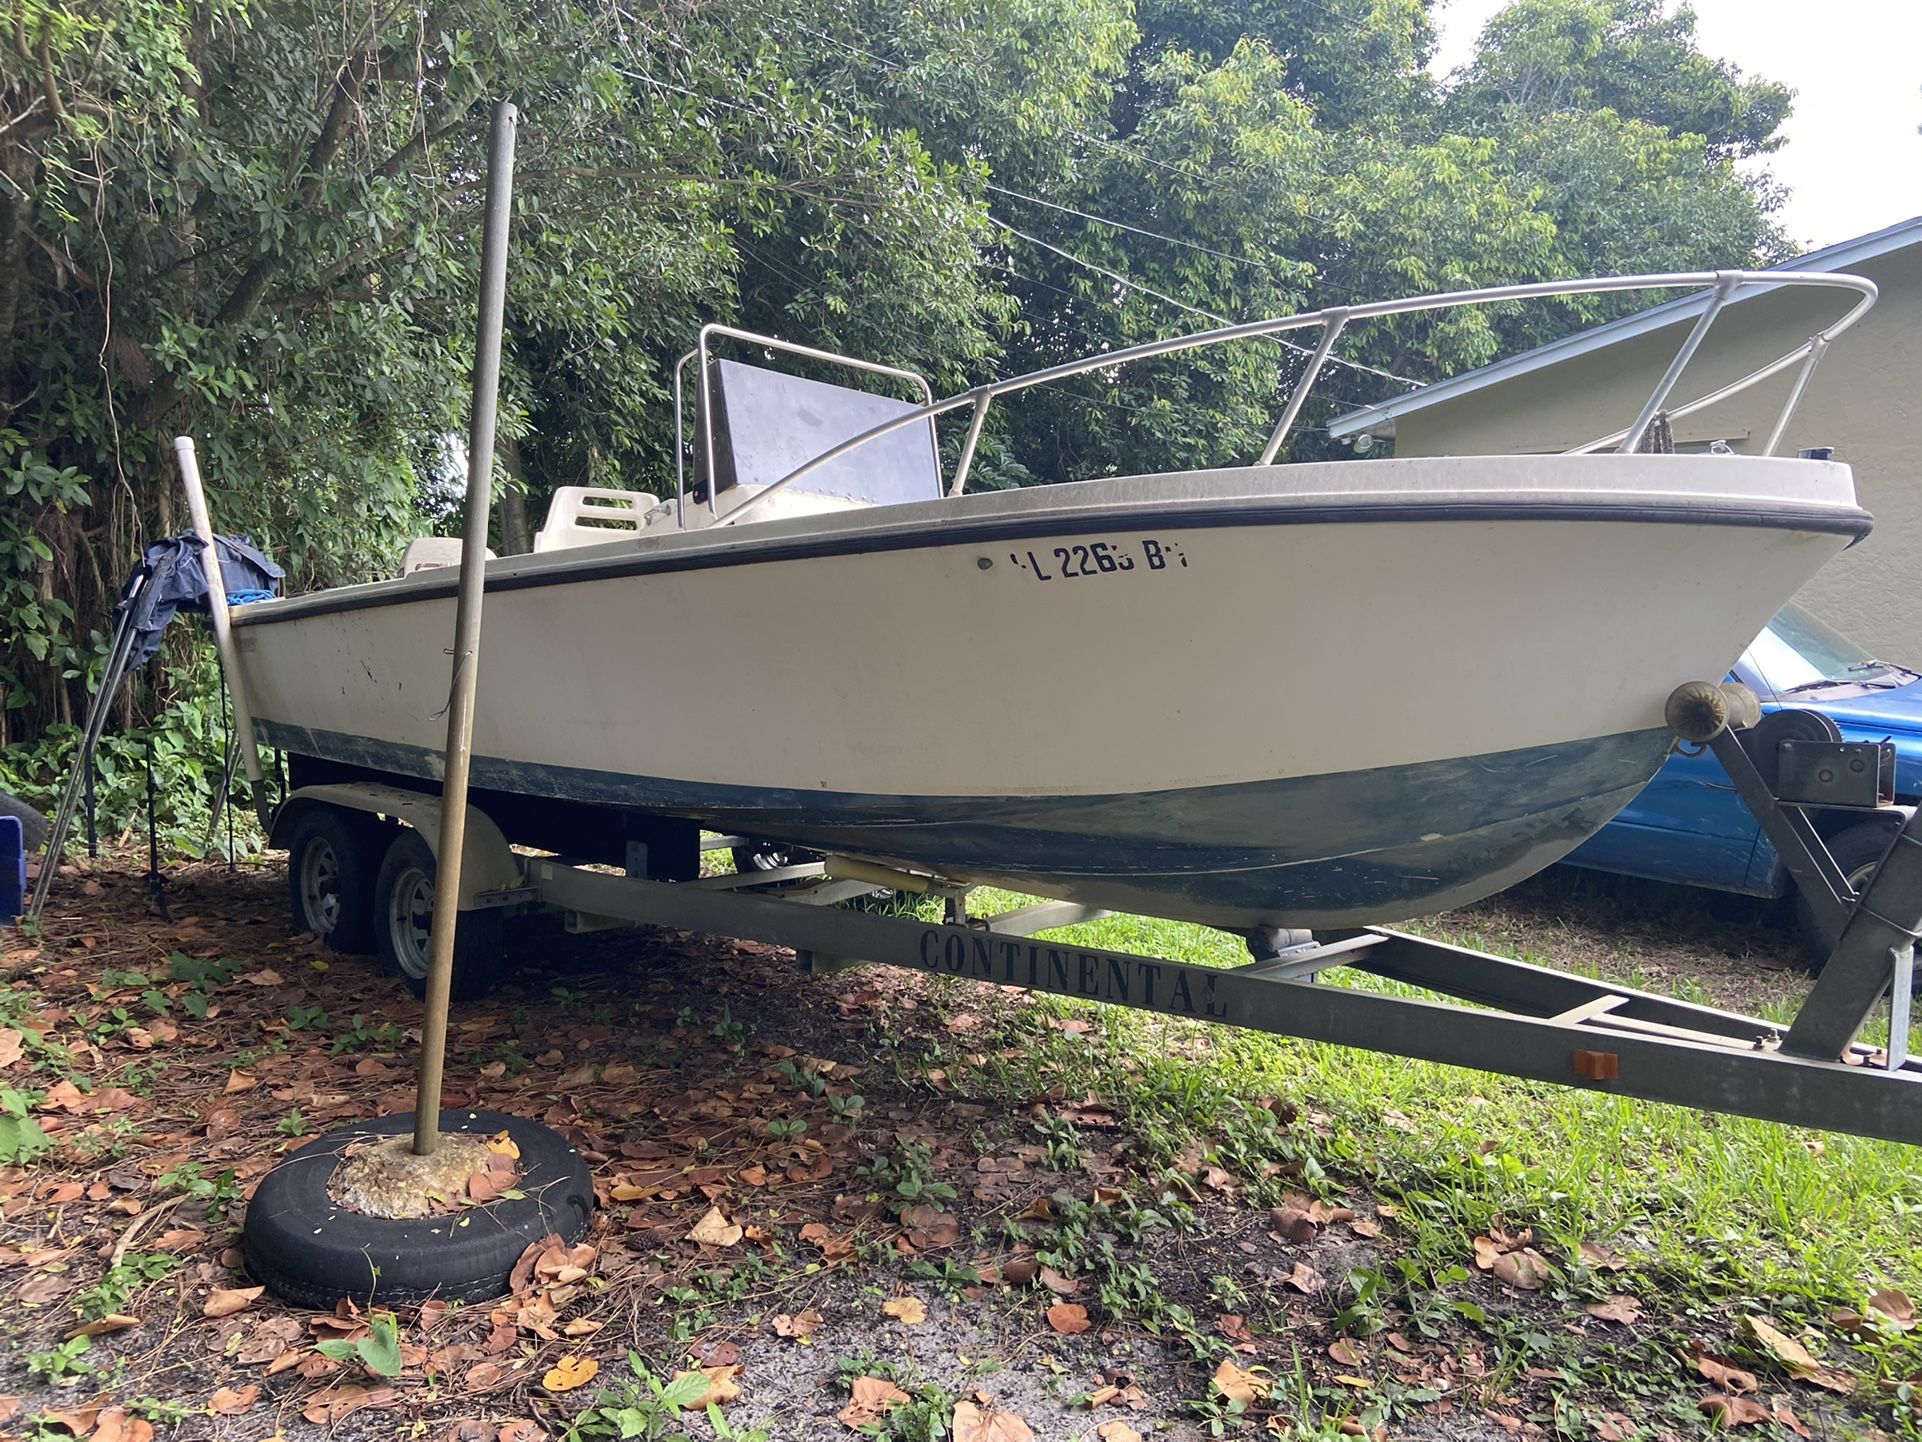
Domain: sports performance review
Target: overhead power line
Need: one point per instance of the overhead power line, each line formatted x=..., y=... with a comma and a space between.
x=1133, y=229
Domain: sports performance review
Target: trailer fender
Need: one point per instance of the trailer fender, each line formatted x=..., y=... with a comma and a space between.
x=487, y=862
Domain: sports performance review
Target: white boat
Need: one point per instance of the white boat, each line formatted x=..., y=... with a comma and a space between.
x=1303, y=695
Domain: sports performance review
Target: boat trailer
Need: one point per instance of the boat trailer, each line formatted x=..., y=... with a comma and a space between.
x=1496, y=1014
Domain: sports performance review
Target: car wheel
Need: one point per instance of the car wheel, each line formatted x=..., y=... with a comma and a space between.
x=403, y=912
x=332, y=859
x=1858, y=851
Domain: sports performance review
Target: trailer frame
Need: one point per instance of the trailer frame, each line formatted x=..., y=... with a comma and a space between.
x=1486, y=1012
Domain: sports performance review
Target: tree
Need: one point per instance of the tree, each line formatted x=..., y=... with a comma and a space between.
x=1543, y=57
x=234, y=219
x=234, y=223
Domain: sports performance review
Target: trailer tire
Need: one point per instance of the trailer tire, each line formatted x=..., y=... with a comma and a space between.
x=310, y=1252
x=333, y=857
x=403, y=902
x=1857, y=852
x=33, y=826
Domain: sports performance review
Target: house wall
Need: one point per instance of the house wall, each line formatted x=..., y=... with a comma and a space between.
x=1865, y=400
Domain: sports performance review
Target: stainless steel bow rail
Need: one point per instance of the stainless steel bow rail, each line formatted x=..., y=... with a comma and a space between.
x=1723, y=286
x=1488, y=1012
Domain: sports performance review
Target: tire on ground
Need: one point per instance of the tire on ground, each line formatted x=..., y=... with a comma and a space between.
x=311, y=1252
x=403, y=903
x=333, y=858
x=1857, y=852
x=33, y=825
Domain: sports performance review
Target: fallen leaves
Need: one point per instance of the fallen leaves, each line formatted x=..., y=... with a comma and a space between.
x=910, y=1310
x=973, y=1423
x=331, y=1404
x=1794, y=1358
x=720, y=1388
x=800, y=1326
x=928, y=1227
x=225, y=1301
x=1512, y=1260
x=873, y=1398
x=234, y=1401
x=102, y=1326
x=570, y=1372
x=1892, y=1308
x=1068, y=1318
x=715, y=1230
x=1618, y=1307
x=1244, y=1385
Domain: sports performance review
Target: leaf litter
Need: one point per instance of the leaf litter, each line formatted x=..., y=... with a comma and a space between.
x=736, y=1171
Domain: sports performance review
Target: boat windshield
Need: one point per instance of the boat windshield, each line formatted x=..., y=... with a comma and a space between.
x=1799, y=654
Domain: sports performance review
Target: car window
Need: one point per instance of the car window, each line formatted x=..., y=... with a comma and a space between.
x=1798, y=651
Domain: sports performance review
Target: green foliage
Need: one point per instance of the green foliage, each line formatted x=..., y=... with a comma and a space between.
x=21, y=1137
x=218, y=1193
x=188, y=740
x=65, y=1363
x=378, y=1351
x=223, y=221
x=124, y=1281
x=1627, y=57
x=649, y=1408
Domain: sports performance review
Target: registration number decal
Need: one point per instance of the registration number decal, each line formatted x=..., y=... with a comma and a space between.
x=1100, y=558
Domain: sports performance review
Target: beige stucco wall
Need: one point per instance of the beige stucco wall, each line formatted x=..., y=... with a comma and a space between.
x=1865, y=400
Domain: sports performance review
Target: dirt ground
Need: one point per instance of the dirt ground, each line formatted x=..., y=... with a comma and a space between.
x=169, y=1081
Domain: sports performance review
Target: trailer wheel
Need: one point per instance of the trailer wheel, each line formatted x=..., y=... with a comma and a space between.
x=403, y=909
x=331, y=861
x=1857, y=852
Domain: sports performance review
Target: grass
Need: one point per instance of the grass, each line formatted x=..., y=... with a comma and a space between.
x=1718, y=1214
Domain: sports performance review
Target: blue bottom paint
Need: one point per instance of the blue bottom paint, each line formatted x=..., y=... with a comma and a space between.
x=1345, y=849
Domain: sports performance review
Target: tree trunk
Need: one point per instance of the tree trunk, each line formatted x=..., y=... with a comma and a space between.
x=514, y=535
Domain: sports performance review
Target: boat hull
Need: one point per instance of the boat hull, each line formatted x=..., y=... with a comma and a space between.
x=1245, y=698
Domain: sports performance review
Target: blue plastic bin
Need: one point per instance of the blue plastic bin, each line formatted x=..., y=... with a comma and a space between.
x=13, y=868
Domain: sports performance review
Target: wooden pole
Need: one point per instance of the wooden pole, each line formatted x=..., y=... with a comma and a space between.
x=223, y=627
x=467, y=628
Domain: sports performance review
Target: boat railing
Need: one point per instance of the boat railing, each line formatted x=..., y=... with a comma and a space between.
x=1722, y=287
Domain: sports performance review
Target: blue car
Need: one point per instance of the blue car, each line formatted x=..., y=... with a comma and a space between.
x=1689, y=826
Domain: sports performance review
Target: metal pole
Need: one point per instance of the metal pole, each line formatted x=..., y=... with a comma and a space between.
x=1725, y=283
x=467, y=627
x=1329, y=333
x=1818, y=345
x=223, y=626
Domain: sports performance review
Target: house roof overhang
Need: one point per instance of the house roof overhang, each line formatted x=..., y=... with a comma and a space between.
x=1379, y=419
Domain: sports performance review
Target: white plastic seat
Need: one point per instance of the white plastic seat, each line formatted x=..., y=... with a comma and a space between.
x=430, y=553
x=592, y=516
